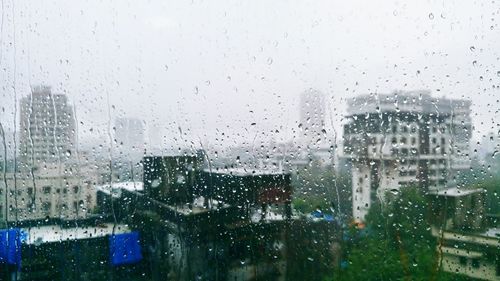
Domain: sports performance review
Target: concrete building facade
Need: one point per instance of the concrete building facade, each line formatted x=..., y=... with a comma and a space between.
x=129, y=135
x=404, y=139
x=51, y=194
x=312, y=117
x=47, y=128
x=467, y=244
x=48, y=182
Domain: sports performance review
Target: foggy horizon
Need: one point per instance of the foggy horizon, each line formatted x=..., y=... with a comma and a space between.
x=205, y=69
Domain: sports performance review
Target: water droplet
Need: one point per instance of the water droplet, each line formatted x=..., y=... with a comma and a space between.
x=269, y=61
x=431, y=16
x=472, y=48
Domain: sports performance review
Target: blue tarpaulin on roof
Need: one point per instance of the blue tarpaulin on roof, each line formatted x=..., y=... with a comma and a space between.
x=328, y=217
x=10, y=246
x=125, y=248
x=317, y=214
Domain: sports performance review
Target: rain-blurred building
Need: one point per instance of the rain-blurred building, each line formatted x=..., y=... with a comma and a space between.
x=468, y=243
x=51, y=193
x=312, y=116
x=405, y=139
x=47, y=128
x=314, y=144
x=129, y=136
x=50, y=181
x=221, y=224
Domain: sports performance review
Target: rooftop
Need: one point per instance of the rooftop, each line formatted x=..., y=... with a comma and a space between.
x=56, y=233
x=493, y=232
x=197, y=206
x=457, y=192
x=117, y=187
x=245, y=172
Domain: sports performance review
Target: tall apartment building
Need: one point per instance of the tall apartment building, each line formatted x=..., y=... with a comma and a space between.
x=315, y=144
x=404, y=139
x=129, y=135
x=48, y=182
x=312, y=116
x=47, y=128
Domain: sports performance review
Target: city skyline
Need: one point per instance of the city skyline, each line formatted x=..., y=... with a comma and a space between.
x=172, y=142
x=249, y=140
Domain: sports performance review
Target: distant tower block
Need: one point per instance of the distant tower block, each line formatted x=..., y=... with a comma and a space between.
x=47, y=129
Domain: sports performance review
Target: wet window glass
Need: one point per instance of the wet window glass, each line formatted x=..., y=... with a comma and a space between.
x=249, y=140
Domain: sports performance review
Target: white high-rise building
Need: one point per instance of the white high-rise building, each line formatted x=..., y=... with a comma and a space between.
x=129, y=136
x=313, y=140
x=312, y=117
x=404, y=139
x=48, y=181
x=47, y=128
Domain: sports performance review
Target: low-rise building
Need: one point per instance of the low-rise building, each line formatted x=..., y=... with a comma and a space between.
x=467, y=245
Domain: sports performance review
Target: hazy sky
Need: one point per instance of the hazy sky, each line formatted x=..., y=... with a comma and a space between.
x=215, y=67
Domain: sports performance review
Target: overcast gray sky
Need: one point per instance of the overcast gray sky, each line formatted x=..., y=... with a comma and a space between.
x=213, y=67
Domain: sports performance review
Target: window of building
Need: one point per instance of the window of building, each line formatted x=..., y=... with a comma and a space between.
x=46, y=206
x=475, y=263
x=46, y=189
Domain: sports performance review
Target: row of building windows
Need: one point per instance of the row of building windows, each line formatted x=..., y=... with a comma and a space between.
x=408, y=173
x=48, y=189
x=404, y=152
x=404, y=140
x=404, y=129
x=434, y=141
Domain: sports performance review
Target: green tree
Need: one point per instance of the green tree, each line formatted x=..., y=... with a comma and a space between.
x=399, y=245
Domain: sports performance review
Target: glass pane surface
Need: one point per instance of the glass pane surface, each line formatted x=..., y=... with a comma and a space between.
x=249, y=140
